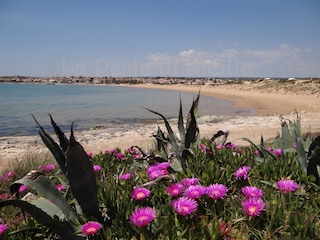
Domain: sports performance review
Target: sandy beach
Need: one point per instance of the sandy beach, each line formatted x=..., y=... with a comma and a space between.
x=267, y=98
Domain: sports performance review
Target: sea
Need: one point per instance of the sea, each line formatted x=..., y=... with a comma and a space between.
x=96, y=106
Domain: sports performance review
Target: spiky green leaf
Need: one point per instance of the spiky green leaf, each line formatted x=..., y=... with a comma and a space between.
x=82, y=178
x=54, y=148
x=42, y=218
x=64, y=142
x=45, y=186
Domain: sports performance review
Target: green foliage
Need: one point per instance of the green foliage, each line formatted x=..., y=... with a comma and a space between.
x=180, y=148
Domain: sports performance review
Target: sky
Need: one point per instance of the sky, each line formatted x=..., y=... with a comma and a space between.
x=167, y=38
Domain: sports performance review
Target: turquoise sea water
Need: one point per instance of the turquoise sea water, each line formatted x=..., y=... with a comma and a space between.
x=89, y=106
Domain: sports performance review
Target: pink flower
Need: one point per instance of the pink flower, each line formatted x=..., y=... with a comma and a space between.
x=187, y=182
x=140, y=193
x=164, y=165
x=23, y=188
x=184, y=205
x=109, y=151
x=155, y=174
x=252, y=192
x=96, y=168
x=120, y=156
x=287, y=185
x=48, y=168
x=91, y=228
x=3, y=228
x=278, y=152
x=220, y=146
x=157, y=170
x=143, y=216
x=90, y=154
x=131, y=150
x=60, y=187
x=203, y=146
x=216, y=191
x=242, y=172
x=125, y=176
x=5, y=177
x=253, y=206
x=256, y=152
x=175, y=189
x=195, y=191
x=4, y=196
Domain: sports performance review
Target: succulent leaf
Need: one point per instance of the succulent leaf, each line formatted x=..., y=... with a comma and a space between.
x=82, y=178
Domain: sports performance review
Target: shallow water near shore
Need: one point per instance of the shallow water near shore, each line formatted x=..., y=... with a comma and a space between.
x=92, y=106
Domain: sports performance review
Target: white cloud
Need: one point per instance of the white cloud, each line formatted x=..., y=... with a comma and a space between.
x=281, y=60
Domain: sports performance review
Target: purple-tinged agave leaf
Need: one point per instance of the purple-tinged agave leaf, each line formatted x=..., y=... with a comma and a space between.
x=54, y=148
x=64, y=142
x=82, y=178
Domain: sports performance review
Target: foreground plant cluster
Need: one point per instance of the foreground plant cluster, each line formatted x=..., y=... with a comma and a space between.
x=184, y=188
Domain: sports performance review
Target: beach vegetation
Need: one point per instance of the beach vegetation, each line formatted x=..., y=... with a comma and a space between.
x=219, y=191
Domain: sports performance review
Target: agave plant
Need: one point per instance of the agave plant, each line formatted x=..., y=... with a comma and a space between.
x=178, y=149
x=48, y=206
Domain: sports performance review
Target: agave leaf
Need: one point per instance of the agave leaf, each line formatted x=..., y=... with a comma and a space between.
x=45, y=186
x=64, y=142
x=287, y=138
x=82, y=178
x=314, y=161
x=171, y=135
x=54, y=148
x=42, y=218
x=192, y=129
x=301, y=154
x=181, y=126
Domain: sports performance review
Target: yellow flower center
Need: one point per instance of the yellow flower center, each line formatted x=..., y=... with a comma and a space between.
x=91, y=230
x=142, y=218
x=140, y=195
x=252, y=209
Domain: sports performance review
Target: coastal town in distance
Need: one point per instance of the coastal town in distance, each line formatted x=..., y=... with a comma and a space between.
x=141, y=80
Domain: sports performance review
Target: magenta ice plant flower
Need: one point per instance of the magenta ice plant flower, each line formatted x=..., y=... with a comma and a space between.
x=23, y=188
x=287, y=185
x=3, y=228
x=4, y=196
x=5, y=177
x=140, y=193
x=109, y=151
x=90, y=154
x=278, y=152
x=143, y=216
x=242, y=172
x=125, y=176
x=175, y=189
x=253, y=206
x=48, y=167
x=252, y=192
x=187, y=182
x=91, y=228
x=220, y=146
x=195, y=191
x=120, y=155
x=216, y=191
x=60, y=187
x=184, y=205
x=96, y=168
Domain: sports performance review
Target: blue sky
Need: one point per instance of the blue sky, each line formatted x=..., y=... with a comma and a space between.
x=231, y=38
